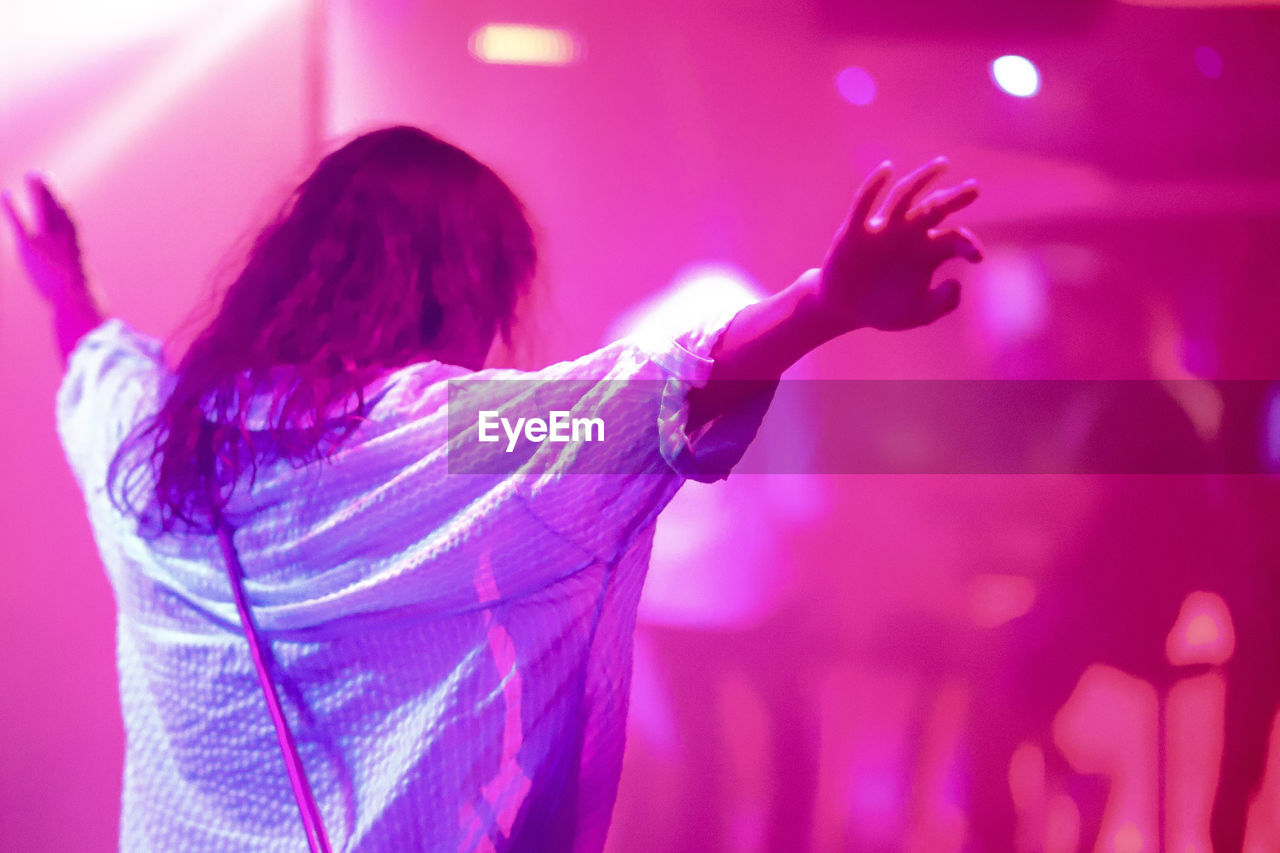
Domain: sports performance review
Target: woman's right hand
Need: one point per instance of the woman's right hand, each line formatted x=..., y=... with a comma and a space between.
x=878, y=272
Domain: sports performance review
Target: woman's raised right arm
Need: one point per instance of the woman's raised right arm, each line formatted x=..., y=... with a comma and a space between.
x=878, y=274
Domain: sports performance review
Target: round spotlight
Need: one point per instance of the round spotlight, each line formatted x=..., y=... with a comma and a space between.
x=1016, y=75
x=856, y=86
x=1209, y=61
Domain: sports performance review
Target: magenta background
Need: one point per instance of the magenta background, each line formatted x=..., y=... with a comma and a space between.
x=691, y=132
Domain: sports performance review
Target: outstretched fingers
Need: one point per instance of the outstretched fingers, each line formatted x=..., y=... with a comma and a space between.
x=955, y=243
x=868, y=193
x=905, y=191
x=11, y=213
x=50, y=213
x=938, y=205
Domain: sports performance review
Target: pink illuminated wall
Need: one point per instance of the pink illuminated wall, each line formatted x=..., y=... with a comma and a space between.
x=833, y=704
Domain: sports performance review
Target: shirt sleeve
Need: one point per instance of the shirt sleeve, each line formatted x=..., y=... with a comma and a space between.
x=602, y=490
x=111, y=381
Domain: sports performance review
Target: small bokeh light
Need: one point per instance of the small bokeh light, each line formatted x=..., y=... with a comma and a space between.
x=1016, y=75
x=523, y=44
x=856, y=85
x=1203, y=632
x=1209, y=61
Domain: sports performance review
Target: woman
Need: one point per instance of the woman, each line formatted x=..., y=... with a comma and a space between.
x=453, y=649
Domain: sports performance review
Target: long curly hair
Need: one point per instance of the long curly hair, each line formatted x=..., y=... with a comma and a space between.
x=393, y=243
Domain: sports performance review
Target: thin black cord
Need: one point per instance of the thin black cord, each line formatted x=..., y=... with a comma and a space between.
x=312, y=821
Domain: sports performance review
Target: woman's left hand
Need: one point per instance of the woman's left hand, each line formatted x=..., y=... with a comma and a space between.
x=50, y=251
x=50, y=254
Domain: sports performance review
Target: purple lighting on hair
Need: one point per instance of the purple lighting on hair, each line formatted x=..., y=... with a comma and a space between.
x=856, y=85
x=1209, y=61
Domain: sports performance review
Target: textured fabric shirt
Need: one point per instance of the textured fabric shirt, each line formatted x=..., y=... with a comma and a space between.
x=454, y=650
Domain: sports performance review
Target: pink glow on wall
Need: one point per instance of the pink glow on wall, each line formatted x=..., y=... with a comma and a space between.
x=695, y=290
x=42, y=41
x=856, y=85
x=1209, y=61
x=873, y=789
x=717, y=561
x=1013, y=303
x=108, y=130
x=996, y=599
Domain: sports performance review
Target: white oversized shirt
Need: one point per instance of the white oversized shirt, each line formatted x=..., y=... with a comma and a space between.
x=456, y=648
